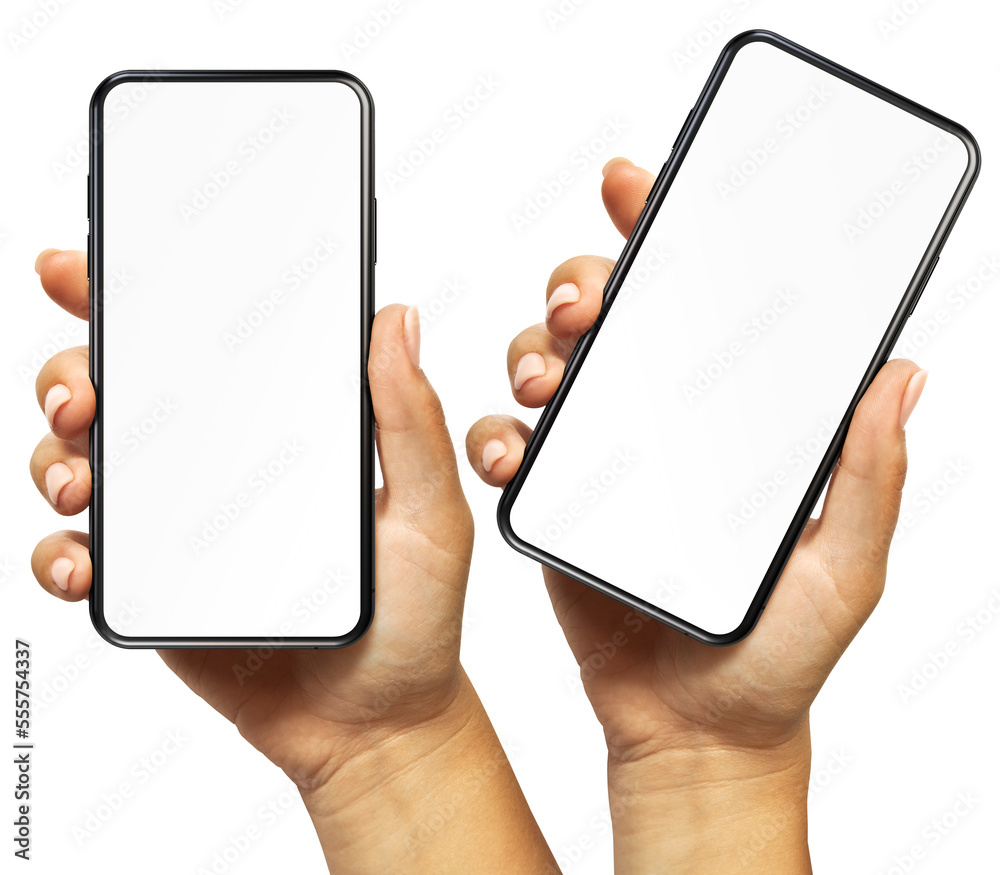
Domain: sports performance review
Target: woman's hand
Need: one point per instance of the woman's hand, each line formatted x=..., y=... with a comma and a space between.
x=698, y=733
x=381, y=736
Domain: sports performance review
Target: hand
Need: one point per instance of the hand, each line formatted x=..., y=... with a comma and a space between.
x=344, y=725
x=664, y=696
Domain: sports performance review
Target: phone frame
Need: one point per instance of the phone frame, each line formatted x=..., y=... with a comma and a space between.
x=656, y=198
x=95, y=274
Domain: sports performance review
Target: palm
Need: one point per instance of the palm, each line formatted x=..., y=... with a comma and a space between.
x=292, y=705
x=659, y=681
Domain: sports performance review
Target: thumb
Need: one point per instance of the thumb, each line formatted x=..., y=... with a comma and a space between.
x=862, y=503
x=416, y=453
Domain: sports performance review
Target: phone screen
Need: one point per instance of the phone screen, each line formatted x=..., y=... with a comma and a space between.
x=753, y=307
x=231, y=292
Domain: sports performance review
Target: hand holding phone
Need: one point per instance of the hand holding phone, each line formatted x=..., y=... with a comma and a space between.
x=676, y=713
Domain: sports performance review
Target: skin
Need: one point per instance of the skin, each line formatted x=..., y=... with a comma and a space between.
x=387, y=741
x=708, y=748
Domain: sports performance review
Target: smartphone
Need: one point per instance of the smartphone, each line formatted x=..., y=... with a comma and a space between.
x=230, y=256
x=785, y=242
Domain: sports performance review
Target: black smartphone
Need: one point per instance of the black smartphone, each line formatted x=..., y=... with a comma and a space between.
x=783, y=246
x=231, y=262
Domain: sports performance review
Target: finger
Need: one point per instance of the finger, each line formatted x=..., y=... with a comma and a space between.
x=862, y=503
x=495, y=446
x=61, y=472
x=61, y=564
x=625, y=189
x=575, y=293
x=65, y=392
x=419, y=470
x=535, y=364
x=64, y=278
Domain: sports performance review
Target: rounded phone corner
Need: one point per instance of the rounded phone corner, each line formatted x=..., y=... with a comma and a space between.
x=365, y=620
x=971, y=147
x=109, y=83
x=504, y=508
x=103, y=629
x=747, y=37
x=357, y=86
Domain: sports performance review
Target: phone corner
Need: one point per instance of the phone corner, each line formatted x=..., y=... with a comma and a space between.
x=100, y=624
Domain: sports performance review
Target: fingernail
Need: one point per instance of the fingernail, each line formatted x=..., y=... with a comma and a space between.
x=911, y=396
x=567, y=293
x=54, y=399
x=614, y=162
x=530, y=366
x=492, y=453
x=42, y=256
x=57, y=475
x=411, y=335
x=62, y=568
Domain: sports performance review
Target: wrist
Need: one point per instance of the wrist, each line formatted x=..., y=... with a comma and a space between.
x=436, y=795
x=704, y=805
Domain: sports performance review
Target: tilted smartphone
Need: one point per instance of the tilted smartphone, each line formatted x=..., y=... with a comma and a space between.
x=785, y=242
x=230, y=258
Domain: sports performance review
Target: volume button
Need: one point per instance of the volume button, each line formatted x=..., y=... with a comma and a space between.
x=659, y=177
x=923, y=285
x=687, y=118
x=374, y=230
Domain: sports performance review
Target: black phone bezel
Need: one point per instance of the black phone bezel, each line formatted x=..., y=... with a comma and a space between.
x=657, y=196
x=95, y=272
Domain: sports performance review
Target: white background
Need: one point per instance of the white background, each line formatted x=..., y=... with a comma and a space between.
x=555, y=87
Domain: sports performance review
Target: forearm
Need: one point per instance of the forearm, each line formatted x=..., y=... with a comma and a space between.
x=439, y=797
x=711, y=809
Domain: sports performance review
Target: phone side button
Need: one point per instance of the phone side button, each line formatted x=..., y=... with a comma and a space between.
x=659, y=176
x=923, y=285
x=687, y=118
x=374, y=230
